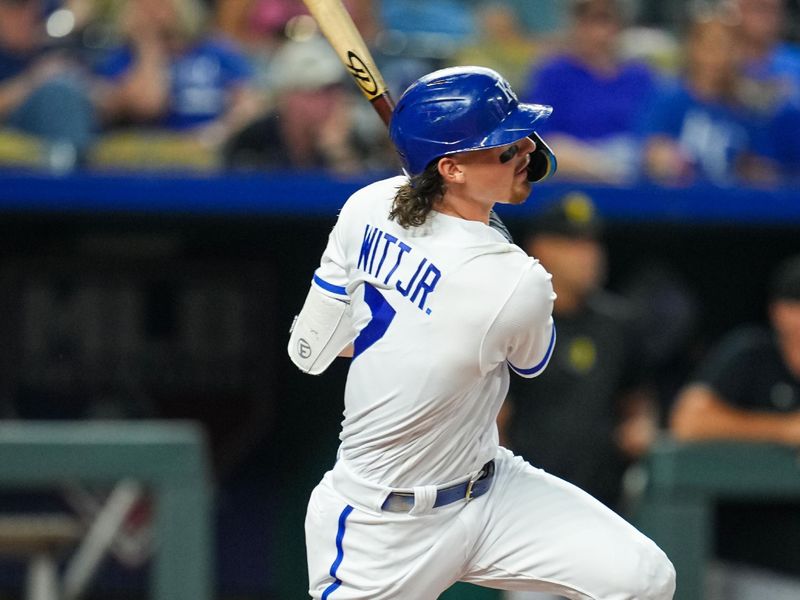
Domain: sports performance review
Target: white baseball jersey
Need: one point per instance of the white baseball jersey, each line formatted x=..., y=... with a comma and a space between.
x=441, y=312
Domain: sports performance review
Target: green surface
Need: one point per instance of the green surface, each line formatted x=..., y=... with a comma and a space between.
x=170, y=458
x=685, y=481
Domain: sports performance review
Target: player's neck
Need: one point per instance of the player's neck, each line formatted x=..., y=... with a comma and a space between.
x=463, y=208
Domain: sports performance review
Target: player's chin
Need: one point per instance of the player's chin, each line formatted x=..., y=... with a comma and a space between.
x=520, y=192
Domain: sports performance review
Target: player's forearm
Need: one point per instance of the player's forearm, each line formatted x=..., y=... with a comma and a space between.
x=700, y=414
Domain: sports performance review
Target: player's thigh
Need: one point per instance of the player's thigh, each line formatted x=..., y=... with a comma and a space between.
x=355, y=555
x=541, y=533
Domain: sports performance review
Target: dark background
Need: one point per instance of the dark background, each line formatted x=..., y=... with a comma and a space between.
x=184, y=313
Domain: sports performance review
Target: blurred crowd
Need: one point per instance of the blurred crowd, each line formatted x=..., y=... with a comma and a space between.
x=673, y=92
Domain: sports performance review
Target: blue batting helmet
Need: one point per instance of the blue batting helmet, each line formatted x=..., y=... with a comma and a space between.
x=459, y=109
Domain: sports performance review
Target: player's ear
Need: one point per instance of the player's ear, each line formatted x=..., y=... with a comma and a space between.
x=450, y=170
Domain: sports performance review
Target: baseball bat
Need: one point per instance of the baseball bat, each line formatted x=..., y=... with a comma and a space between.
x=337, y=26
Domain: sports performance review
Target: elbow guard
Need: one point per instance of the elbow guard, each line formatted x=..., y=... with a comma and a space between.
x=320, y=332
x=543, y=162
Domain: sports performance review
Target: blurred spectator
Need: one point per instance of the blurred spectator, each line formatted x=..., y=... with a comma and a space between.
x=42, y=90
x=658, y=47
x=432, y=29
x=598, y=97
x=312, y=125
x=770, y=83
x=667, y=315
x=766, y=57
x=173, y=76
x=501, y=44
x=260, y=28
x=404, y=40
x=543, y=19
x=782, y=133
x=697, y=128
x=748, y=389
x=590, y=413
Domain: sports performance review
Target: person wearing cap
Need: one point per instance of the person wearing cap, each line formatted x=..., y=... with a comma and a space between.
x=313, y=122
x=589, y=414
x=436, y=308
x=748, y=389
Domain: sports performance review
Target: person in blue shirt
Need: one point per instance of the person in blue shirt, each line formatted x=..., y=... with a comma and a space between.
x=766, y=57
x=697, y=128
x=172, y=74
x=598, y=95
x=770, y=71
x=43, y=91
x=783, y=133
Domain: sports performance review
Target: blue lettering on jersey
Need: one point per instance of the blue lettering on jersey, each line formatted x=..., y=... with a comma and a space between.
x=403, y=248
x=426, y=284
x=378, y=243
x=366, y=245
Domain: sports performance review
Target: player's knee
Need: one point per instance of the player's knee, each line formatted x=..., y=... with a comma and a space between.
x=654, y=575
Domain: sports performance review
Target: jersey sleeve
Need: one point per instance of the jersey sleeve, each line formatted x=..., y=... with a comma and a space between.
x=331, y=277
x=523, y=334
x=323, y=327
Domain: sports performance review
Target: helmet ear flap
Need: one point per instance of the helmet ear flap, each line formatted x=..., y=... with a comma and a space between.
x=543, y=162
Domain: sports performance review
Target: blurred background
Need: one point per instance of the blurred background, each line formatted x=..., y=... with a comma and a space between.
x=170, y=170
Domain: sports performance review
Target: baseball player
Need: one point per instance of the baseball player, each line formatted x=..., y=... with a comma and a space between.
x=436, y=307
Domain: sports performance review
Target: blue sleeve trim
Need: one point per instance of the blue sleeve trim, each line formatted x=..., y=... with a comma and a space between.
x=382, y=316
x=335, y=289
x=542, y=363
x=339, y=553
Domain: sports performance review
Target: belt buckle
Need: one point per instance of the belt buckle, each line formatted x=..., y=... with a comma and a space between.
x=468, y=496
x=470, y=484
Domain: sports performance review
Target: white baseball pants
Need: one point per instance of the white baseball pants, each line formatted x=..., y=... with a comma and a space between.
x=530, y=531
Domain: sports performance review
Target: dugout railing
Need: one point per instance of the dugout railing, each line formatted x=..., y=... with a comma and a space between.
x=170, y=460
x=681, y=484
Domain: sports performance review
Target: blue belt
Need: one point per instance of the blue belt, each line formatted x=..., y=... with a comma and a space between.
x=467, y=490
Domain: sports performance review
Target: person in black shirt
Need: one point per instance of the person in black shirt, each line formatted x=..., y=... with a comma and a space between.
x=590, y=413
x=748, y=389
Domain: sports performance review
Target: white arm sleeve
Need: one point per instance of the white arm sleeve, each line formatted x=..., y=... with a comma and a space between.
x=320, y=332
x=323, y=328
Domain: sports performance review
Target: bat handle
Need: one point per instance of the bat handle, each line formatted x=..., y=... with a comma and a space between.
x=383, y=105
